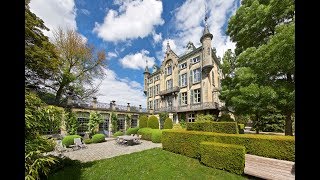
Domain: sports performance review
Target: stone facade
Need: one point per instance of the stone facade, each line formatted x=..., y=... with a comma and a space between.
x=185, y=85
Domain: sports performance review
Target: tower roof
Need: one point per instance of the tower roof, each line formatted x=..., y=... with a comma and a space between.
x=206, y=31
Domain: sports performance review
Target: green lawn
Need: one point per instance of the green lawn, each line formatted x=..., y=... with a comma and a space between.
x=149, y=164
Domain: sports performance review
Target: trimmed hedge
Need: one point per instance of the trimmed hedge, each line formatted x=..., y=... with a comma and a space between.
x=153, y=122
x=97, y=138
x=146, y=133
x=219, y=127
x=69, y=140
x=227, y=157
x=87, y=141
x=241, y=128
x=156, y=135
x=188, y=142
x=143, y=121
x=132, y=131
x=119, y=133
x=168, y=124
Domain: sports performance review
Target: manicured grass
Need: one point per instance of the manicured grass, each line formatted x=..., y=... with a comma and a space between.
x=149, y=164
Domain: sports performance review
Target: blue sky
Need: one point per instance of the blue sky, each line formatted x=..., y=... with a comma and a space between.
x=133, y=31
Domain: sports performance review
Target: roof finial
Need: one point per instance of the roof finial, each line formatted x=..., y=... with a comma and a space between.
x=168, y=46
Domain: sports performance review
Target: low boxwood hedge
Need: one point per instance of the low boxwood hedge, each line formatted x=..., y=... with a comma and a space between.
x=219, y=127
x=116, y=134
x=97, y=138
x=132, y=131
x=146, y=133
x=69, y=140
x=156, y=135
x=87, y=141
x=229, y=157
x=188, y=142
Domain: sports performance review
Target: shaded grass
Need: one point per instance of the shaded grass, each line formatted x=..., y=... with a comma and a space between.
x=149, y=164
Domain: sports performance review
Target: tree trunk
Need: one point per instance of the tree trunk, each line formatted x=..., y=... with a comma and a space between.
x=288, y=125
x=257, y=131
x=59, y=94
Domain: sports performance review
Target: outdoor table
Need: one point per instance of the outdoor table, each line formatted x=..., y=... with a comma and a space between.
x=129, y=139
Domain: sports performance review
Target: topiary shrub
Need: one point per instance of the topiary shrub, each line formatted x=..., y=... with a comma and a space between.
x=272, y=146
x=168, y=124
x=241, y=128
x=69, y=140
x=229, y=157
x=143, y=121
x=156, y=135
x=153, y=122
x=116, y=134
x=207, y=117
x=146, y=133
x=87, y=141
x=132, y=131
x=225, y=118
x=219, y=127
x=97, y=138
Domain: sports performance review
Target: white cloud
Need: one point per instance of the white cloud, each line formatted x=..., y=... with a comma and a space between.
x=132, y=20
x=123, y=91
x=55, y=13
x=137, y=61
x=156, y=37
x=111, y=55
x=189, y=20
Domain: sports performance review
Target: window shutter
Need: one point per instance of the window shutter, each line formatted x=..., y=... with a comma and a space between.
x=186, y=78
x=179, y=80
x=191, y=76
x=200, y=74
x=179, y=97
x=191, y=96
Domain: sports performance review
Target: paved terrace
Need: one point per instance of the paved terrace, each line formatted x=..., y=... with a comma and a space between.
x=108, y=149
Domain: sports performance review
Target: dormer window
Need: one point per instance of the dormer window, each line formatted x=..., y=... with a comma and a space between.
x=183, y=65
x=169, y=70
x=195, y=60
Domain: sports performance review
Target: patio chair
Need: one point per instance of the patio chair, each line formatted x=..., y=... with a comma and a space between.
x=60, y=148
x=78, y=142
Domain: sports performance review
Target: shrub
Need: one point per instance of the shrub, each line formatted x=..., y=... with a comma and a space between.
x=69, y=140
x=225, y=118
x=168, y=123
x=202, y=117
x=87, y=141
x=143, y=121
x=188, y=142
x=132, y=131
x=219, y=127
x=119, y=133
x=177, y=126
x=146, y=133
x=241, y=128
x=97, y=138
x=227, y=157
x=156, y=135
x=153, y=122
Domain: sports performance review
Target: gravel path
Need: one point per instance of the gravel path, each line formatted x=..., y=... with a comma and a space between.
x=107, y=150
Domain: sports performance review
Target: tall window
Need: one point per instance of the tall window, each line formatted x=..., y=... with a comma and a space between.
x=169, y=84
x=213, y=78
x=195, y=96
x=156, y=78
x=151, y=92
x=134, y=121
x=169, y=70
x=196, y=75
x=191, y=117
x=121, y=122
x=150, y=104
x=157, y=88
x=183, y=80
x=83, y=120
x=184, y=98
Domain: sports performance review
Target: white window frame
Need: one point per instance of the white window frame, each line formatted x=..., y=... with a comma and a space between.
x=167, y=70
x=191, y=117
x=197, y=95
x=183, y=65
x=167, y=84
x=196, y=75
x=184, y=98
x=195, y=60
x=184, y=81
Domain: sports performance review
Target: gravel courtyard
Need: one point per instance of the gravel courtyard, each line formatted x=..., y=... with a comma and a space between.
x=107, y=150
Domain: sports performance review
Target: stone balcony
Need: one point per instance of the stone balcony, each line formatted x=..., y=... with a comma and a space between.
x=189, y=107
x=169, y=91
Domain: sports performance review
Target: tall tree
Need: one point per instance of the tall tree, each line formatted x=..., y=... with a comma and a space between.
x=41, y=60
x=255, y=21
x=81, y=65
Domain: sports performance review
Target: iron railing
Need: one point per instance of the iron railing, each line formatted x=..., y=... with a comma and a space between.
x=189, y=107
x=108, y=106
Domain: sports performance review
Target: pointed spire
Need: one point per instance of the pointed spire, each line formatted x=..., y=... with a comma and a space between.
x=146, y=70
x=206, y=31
x=168, y=46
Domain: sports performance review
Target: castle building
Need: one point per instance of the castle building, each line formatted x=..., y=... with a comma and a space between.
x=185, y=85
